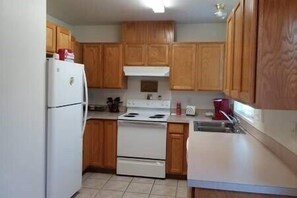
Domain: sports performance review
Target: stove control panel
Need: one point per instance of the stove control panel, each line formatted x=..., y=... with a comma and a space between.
x=163, y=104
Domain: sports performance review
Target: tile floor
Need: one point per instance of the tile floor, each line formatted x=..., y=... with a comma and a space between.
x=100, y=185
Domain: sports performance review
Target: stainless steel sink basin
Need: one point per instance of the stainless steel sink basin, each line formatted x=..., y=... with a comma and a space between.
x=218, y=127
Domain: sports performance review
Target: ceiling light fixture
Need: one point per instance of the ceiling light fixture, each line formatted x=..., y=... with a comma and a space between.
x=156, y=5
x=220, y=13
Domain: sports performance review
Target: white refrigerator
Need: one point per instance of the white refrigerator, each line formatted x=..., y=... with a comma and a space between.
x=67, y=93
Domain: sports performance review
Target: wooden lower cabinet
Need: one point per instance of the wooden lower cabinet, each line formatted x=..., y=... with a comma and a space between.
x=210, y=193
x=99, y=144
x=177, y=135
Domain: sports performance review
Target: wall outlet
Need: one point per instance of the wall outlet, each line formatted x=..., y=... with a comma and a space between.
x=294, y=130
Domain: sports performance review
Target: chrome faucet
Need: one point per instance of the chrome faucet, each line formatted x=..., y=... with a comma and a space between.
x=235, y=121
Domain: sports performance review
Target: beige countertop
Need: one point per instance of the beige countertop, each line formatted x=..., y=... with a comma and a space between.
x=105, y=115
x=236, y=162
x=187, y=119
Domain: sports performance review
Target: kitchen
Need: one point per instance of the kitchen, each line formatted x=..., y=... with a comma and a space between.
x=277, y=127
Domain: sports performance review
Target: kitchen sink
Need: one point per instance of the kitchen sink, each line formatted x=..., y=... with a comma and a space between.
x=217, y=127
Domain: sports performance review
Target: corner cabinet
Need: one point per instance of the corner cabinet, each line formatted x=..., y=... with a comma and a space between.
x=51, y=35
x=197, y=66
x=210, y=66
x=99, y=145
x=264, y=47
x=183, y=66
x=176, y=162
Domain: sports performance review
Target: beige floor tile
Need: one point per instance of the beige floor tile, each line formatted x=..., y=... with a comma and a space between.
x=168, y=182
x=135, y=195
x=100, y=176
x=143, y=180
x=86, y=193
x=159, y=196
x=116, y=185
x=109, y=194
x=182, y=183
x=140, y=188
x=183, y=192
x=164, y=190
x=93, y=183
x=121, y=178
x=86, y=176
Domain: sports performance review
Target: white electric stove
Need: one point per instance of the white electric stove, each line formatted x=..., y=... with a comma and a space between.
x=141, y=145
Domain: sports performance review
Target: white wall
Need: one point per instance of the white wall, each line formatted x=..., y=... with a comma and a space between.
x=99, y=33
x=59, y=22
x=184, y=32
x=201, y=32
x=202, y=100
x=22, y=100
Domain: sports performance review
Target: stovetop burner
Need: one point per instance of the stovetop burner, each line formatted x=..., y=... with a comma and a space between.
x=133, y=114
x=129, y=116
x=160, y=115
x=156, y=117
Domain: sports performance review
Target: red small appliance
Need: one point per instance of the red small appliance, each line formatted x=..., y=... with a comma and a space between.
x=221, y=104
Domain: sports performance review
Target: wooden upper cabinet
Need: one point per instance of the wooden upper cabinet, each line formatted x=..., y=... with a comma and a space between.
x=135, y=54
x=158, y=54
x=77, y=50
x=160, y=32
x=92, y=56
x=134, y=32
x=229, y=54
x=148, y=32
x=110, y=143
x=210, y=58
x=276, y=58
x=63, y=38
x=238, y=46
x=113, y=66
x=51, y=33
x=183, y=64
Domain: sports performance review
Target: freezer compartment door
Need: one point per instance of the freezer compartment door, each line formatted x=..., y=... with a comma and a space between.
x=65, y=83
x=141, y=167
x=64, y=151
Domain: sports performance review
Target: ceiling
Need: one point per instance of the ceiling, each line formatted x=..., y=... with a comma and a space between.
x=99, y=12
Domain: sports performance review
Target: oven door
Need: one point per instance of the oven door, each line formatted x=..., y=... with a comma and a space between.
x=140, y=139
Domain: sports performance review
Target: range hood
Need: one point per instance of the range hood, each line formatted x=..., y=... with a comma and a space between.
x=157, y=71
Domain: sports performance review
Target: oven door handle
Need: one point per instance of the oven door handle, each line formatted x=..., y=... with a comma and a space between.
x=122, y=122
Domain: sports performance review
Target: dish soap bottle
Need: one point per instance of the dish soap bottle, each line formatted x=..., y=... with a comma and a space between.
x=178, y=108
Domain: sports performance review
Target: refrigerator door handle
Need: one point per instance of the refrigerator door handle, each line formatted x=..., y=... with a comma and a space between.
x=86, y=103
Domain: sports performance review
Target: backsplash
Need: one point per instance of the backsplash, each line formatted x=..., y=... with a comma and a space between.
x=202, y=100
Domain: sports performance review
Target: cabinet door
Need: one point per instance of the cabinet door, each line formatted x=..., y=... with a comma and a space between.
x=110, y=144
x=92, y=58
x=97, y=148
x=210, y=66
x=175, y=154
x=158, y=54
x=77, y=50
x=247, y=88
x=134, y=32
x=63, y=38
x=277, y=55
x=51, y=32
x=229, y=57
x=87, y=138
x=186, y=135
x=135, y=54
x=238, y=44
x=112, y=66
x=183, y=66
x=160, y=32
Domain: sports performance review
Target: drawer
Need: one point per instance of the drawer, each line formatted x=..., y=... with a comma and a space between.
x=176, y=128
